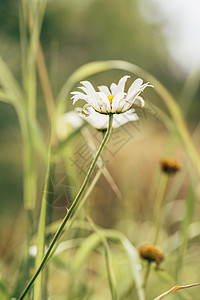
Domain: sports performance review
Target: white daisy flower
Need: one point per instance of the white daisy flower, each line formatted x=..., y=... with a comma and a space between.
x=96, y=120
x=111, y=101
x=67, y=123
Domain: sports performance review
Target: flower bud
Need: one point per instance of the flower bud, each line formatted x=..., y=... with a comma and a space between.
x=152, y=253
x=170, y=166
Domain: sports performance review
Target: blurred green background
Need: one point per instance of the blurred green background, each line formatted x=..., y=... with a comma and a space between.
x=73, y=33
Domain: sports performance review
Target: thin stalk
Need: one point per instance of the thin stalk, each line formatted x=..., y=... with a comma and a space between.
x=49, y=101
x=50, y=199
x=86, y=195
x=29, y=234
x=81, y=203
x=41, y=230
x=187, y=219
x=48, y=237
x=87, y=135
x=146, y=275
x=159, y=205
x=108, y=259
x=44, y=78
x=157, y=218
x=29, y=171
x=71, y=210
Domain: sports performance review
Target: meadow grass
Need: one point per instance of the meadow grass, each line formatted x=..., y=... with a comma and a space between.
x=76, y=257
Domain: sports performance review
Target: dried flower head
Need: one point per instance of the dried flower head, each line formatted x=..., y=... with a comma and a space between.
x=152, y=253
x=170, y=166
x=111, y=101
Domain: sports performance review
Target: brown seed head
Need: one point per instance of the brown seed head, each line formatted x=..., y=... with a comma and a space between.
x=170, y=166
x=152, y=254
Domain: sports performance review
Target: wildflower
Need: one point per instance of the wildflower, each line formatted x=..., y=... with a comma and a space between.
x=96, y=120
x=152, y=254
x=111, y=101
x=67, y=123
x=170, y=166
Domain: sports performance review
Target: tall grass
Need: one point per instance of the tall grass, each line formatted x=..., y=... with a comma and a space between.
x=123, y=268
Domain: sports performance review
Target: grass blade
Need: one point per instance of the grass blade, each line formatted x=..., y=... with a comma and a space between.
x=110, y=272
x=135, y=265
x=41, y=231
x=108, y=259
x=189, y=212
x=9, y=83
x=4, y=97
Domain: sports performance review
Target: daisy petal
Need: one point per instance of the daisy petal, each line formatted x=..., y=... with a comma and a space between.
x=135, y=85
x=126, y=106
x=96, y=119
x=77, y=93
x=89, y=87
x=105, y=101
x=93, y=101
x=113, y=88
x=83, y=89
x=131, y=96
x=77, y=96
x=144, y=86
x=75, y=99
x=139, y=101
x=121, y=83
x=104, y=89
x=124, y=118
x=116, y=100
x=121, y=105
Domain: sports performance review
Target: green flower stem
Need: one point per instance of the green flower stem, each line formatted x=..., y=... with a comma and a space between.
x=41, y=238
x=157, y=218
x=71, y=210
x=84, y=198
x=159, y=205
x=146, y=275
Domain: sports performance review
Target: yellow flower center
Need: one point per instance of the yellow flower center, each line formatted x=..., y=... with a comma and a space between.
x=110, y=98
